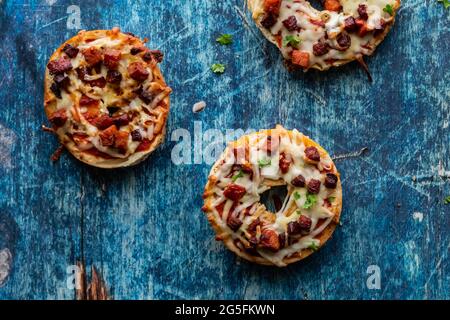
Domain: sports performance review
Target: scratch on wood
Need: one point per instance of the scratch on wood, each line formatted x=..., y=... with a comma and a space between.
x=350, y=155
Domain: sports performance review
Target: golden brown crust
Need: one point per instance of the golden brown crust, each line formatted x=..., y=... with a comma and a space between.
x=223, y=234
x=161, y=110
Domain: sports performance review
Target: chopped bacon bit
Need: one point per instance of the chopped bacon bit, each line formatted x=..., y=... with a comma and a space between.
x=103, y=122
x=138, y=71
x=269, y=240
x=300, y=58
x=272, y=6
x=234, y=192
x=57, y=154
x=121, y=141
x=121, y=120
x=362, y=11
x=71, y=51
x=320, y=49
x=112, y=58
x=144, y=145
x=92, y=55
x=269, y=20
x=113, y=76
x=82, y=72
x=284, y=163
x=107, y=136
x=100, y=82
x=234, y=222
x=58, y=118
x=88, y=101
x=155, y=54
x=59, y=66
x=350, y=24
x=305, y=222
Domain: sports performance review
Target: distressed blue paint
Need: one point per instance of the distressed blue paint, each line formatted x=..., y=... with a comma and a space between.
x=143, y=226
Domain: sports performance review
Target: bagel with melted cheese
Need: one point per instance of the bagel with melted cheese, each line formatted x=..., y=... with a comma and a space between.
x=106, y=98
x=344, y=31
x=252, y=165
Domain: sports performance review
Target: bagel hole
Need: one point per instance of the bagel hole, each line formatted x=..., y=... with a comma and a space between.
x=274, y=198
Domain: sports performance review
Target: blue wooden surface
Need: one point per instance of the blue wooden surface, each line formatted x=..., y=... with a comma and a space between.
x=143, y=228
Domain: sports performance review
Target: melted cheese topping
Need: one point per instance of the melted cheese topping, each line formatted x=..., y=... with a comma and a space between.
x=325, y=27
x=261, y=173
x=122, y=98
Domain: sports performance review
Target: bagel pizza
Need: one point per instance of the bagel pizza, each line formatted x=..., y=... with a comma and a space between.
x=254, y=164
x=106, y=98
x=344, y=31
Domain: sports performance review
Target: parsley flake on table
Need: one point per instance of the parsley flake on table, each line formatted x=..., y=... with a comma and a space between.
x=389, y=9
x=293, y=41
x=447, y=200
x=225, y=39
x=446, y=3
x=218, y=68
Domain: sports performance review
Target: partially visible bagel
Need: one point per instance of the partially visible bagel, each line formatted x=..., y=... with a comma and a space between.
x=106, y=98
x=257, y=162
x=344, y=31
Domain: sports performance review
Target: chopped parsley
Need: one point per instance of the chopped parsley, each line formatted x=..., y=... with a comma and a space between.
x=331, y=199
x=293, y=41
x=240, y=174
x=311, y=200
x=389, y=9
x=264, y=163
x=218, y=68
x=225, y=39
x=446, y=3
x=447, y=200
x=313, y=246
x=296, y=195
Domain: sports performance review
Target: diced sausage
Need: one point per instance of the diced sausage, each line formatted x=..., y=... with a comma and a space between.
x=304, y=223
x=298, y=181
x=92, y=55
x=103, y=122
x=58, y=118
x=331, y=181
x=314, y=186
x=138, y=71
x=312, y=154
x=111, y=58
x=71, y=51
x=113, y=76
x=59, y=65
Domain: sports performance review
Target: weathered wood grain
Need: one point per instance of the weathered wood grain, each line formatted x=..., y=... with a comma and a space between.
x=143, y=228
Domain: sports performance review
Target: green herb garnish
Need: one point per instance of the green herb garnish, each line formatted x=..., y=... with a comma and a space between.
x=389, y=9
x=447, y=200
x=264, y=163
x=293, y=41
x=296, y=195
x=446, y=3
x=240, y=174
x=311, y=200
x=225, y=39
x=313, y=246
x=218, y=68
x=331, y=199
